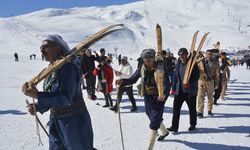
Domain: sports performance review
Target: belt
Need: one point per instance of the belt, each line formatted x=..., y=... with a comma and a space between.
x=74, y=109
x=151, y=90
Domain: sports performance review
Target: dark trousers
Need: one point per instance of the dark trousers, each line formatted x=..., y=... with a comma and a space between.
x=218, y=91
x=107, y=96
x=90, y=82
x=129, y=92
x=191, y=103
x=154, y=110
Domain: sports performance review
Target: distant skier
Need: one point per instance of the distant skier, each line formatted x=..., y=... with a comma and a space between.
x=16, y=56
x=154, y=104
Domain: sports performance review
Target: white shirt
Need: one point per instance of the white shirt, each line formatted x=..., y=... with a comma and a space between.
x=126, y=72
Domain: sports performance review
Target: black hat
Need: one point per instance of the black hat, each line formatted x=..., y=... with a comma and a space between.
x=214, y=50
x=183, y=51
x=223, y=53
x=148, y=53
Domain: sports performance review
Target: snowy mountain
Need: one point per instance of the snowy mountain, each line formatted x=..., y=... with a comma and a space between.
x=227, y=20
x=228, y=129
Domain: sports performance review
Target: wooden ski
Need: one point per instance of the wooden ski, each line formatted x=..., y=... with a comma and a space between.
x=160, y=62
x=193, y=59
x=185, y=80
x=197, y=53
x=75, y=51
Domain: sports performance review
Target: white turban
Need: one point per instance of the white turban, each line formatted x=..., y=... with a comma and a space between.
x=59, y=40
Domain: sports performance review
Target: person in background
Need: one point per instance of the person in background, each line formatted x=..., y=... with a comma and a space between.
x=125, y=73
x=102, y=55
x=105, y=78
x=88, y=66
x=16, y=56
x=225, y=74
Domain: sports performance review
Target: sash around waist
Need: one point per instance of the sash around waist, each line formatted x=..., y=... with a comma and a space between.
x=74, y=109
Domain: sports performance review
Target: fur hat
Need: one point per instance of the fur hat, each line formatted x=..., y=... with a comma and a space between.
x=148, y=53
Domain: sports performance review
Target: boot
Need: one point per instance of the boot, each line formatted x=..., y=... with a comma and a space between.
x=191, y=128
x=210, y=113
x=106, y=105
x=134, y=108
x=172, y=129
x=152, y=138
x=200, y=115
x=115, y=108
x=111, y=103
x=164, y=132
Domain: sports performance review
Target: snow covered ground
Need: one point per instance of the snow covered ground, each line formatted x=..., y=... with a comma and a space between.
x=229, y=128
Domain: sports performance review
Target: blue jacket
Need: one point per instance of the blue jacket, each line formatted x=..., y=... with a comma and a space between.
x=61, y=89
x=193, y=81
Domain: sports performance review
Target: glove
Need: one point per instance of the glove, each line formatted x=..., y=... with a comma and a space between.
x=172, y=92
x=186, y=86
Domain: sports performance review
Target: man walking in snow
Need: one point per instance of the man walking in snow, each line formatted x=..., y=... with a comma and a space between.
x=224, y=73
x=125, y=73
x=209, y=79
x=184, y=92
x=154, y=104
x=70, y=124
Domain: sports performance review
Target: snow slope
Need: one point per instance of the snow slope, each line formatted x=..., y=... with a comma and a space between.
x=179, y=20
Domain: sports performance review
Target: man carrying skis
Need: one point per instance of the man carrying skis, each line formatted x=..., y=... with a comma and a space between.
x=184, y=92
x=154, y=104
x=70, y=125
x=209, y=79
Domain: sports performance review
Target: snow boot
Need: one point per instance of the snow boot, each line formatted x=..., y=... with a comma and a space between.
x=164, y=132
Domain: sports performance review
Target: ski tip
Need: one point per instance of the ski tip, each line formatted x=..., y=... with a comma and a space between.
x=119, y=24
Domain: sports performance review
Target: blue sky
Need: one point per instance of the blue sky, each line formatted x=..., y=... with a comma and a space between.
x=18, y=7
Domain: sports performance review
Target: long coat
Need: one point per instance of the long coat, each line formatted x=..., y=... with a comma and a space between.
x=61, y=90
x=106, y=73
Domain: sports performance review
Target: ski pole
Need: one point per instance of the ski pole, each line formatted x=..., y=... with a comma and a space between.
x=38, y=120
x=119, y=116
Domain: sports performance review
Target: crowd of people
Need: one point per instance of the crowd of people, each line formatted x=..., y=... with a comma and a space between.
x=70, y=123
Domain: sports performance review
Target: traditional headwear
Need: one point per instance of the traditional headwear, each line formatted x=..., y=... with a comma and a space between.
x=148, y=53
x=59, y=40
